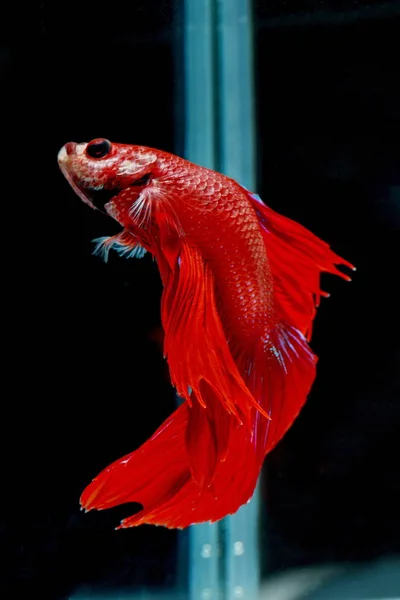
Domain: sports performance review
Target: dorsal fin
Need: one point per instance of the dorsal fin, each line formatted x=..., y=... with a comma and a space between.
x=297, y=258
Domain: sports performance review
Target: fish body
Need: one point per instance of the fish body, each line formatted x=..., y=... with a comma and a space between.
x=241, y=287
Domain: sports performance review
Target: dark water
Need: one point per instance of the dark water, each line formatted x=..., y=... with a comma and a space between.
x=83, y=377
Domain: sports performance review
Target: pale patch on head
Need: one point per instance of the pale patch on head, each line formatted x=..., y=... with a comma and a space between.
x=80, y=149
x=132, y=166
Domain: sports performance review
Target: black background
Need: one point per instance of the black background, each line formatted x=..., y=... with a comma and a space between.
x=83, y=377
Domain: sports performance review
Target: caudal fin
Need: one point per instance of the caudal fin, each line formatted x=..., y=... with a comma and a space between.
x=202, y=463
x=159, y=475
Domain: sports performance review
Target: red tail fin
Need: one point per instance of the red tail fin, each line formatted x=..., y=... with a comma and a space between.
x=202, y=464
x=158, y=475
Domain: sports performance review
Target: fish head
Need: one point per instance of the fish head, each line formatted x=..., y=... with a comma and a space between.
x=107, y=176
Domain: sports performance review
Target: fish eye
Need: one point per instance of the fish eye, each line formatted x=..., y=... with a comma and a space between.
x=98, y=148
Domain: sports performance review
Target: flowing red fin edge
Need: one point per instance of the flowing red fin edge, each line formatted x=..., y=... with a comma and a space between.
x=297, y=259
x=158, y=476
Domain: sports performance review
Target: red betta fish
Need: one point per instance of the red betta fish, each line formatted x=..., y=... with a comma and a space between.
x=241, y=284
